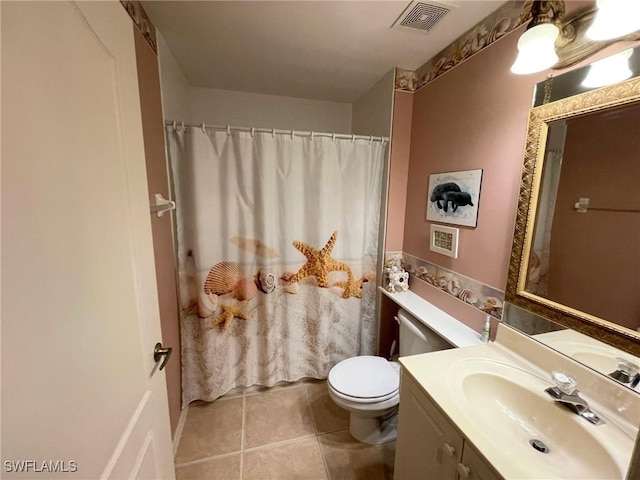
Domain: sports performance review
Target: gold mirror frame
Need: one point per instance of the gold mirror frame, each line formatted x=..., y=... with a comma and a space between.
x=539, y=119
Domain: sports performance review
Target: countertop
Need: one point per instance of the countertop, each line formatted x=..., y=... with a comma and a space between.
x=452, y=330
x=441, y=375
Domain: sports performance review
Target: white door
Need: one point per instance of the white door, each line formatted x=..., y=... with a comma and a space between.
x=81, y=393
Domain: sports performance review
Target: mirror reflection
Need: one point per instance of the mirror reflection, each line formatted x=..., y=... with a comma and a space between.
x=585, y=250
x=573, y=82
x=606, y=359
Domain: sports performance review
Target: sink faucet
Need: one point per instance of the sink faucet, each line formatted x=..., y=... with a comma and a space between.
x=627, y=373
x=565, y=392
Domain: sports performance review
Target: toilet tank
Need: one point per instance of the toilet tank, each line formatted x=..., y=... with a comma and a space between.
x=416, y=337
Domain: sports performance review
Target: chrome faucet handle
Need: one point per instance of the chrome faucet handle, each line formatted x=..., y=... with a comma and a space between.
x=627, y=366
x=565, y=392
x=627, y=372
x=565, y=382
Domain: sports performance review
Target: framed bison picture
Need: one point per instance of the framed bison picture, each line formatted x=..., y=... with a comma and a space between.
x=454, y=197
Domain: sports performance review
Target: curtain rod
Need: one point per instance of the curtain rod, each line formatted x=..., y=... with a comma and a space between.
x=274, y=131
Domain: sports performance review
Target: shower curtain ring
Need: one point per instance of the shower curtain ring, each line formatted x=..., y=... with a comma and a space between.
x=175, y=126
x=312, y=134
x=182, y=126
x=333, y=137
x=292, y=133
x=204, y=128
x=253, y=132
x=273, y=133
x=353, y=138
x=228, y=129
x=370, y=139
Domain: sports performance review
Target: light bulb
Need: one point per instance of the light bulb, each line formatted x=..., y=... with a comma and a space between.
x=609, y=70
x=615, y=18
x=536, y=49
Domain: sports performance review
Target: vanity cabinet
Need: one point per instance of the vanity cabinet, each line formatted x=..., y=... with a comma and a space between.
x=429, y=446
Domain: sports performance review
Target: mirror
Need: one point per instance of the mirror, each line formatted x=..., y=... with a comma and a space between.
x=587, y=350
x=577, y=262
x=585, y=246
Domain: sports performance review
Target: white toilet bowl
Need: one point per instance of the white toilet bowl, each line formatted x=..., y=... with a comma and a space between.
x=368, y=388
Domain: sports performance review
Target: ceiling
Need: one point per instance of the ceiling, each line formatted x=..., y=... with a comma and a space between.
x=325, y=50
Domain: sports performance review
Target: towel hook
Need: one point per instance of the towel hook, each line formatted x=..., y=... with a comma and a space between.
x=582, y=205
x=162, y=205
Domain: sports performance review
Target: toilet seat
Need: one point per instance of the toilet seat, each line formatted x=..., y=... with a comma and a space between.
x=365, y=379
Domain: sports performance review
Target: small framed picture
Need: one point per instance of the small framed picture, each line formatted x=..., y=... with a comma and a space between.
x=444, y=240
x=454, y=197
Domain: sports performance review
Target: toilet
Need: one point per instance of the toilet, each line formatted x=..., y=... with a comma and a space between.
x=368, y=386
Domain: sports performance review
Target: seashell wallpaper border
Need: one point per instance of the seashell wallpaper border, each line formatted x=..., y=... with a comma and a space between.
x=505, y=19
x=142, y=21
x=476, y=294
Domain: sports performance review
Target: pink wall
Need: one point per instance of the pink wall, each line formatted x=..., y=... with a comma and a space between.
x=474, y=116
x=399, y=169
x=153, y=132
x=600, y=162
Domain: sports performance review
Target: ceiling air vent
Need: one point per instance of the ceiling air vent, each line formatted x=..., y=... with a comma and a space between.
x=420, y=16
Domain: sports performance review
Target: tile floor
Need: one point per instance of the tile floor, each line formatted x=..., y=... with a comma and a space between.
x=287, y=432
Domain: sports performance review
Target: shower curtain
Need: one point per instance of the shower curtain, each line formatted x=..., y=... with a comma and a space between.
x=277, y=246
x=538, y=274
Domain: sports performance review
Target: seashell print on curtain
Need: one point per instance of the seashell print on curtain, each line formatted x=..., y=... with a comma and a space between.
x=277, y=248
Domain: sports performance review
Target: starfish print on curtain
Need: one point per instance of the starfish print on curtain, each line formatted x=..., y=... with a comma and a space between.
x=319, y=264
x=229, y=312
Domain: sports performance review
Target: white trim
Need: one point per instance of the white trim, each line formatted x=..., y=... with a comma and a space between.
x=178, y=433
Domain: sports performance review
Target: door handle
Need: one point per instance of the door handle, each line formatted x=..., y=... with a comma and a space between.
x=160, y=352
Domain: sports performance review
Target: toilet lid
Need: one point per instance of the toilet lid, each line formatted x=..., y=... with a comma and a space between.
x=364, y=377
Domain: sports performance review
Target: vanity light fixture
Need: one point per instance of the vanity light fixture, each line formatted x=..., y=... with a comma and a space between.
x=551, y=41
x=609, y=70
x=615, y=18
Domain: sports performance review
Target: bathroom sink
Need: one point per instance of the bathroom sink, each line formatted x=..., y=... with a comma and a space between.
x=511, y=408
x=601, y=359
x=587, y=350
